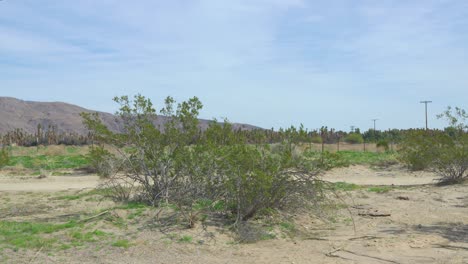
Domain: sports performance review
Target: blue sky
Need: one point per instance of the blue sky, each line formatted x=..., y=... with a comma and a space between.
x=272, y=63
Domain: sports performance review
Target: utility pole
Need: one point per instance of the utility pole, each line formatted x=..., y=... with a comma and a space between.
x=425, y=105
x=374, y=122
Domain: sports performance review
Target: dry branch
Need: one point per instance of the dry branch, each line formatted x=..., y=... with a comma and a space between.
x=374, y=214
x=94, y=216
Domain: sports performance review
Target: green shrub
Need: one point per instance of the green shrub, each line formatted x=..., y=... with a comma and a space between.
x=383, y=144
x=316, y=140
x=4, y=157
x=419, y=148
x=326, y=160
x=445, y=152
x=182, y=167
x=354, y=138
x=102, y=161
x=451, y=163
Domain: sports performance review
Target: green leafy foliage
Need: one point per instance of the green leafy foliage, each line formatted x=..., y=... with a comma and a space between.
x=344, y=186
x=445, y=152
x=4, y=157
x=29, y=234
x=123, y=243
x=326, y=160
x=102, y=161
x=369, y=158
x=50, y=162
x=354, y=138
x=420, y=148
x=451, y=162
x=178, y=164
x=383, y=144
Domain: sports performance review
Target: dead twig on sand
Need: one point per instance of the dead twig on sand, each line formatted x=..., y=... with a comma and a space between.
x=332, y=254
x=35, y=255
x=94, y=216
x=364, y=237
x=451, y=247
x=374, y=214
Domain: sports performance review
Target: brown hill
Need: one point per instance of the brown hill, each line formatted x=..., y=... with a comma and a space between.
x=26, y=115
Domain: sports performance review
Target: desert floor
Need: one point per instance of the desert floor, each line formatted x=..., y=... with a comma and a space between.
x=392, y=216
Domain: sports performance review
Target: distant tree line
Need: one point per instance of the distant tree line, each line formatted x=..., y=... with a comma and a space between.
x=44, y=136
x=51, y=136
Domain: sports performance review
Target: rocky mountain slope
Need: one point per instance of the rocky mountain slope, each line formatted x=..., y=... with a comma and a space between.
x=26, y=115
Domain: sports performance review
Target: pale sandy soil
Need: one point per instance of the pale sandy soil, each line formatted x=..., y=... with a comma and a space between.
x=426, y=224
x=51, y=183
x=394, y=175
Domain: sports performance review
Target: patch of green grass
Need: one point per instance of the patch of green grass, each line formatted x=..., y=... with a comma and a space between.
x=68, y=197
x=135, y=214
x=78, y=237
x=71, y=149
x=370, y=158
x=185, y=239
x=131, y=205
x=267, y=236
x=287, y=226
x=50, y=162
x=344, y=186
x=29, y=234
x=123, y=243
x=382, y=189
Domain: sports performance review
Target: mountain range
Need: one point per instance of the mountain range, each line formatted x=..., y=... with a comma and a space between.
x=27, y=115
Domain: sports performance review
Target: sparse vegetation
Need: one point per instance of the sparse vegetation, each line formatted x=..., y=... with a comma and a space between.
x=29, y=234
x=4, y=157
x=383, y=144
x=354, y=138
x=344, y=186
x=103, y=162
x=181, y=167
x=50, y=162
x=379, y=189
x=369, y=158
x=123, y=243
x=445, y=152
x=326, y=160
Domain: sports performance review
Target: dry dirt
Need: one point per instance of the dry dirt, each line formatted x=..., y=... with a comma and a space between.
x=425, y=224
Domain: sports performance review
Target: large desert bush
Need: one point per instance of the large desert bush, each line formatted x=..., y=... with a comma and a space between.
x=178, y=164
x=419, y=148
x=445, y=152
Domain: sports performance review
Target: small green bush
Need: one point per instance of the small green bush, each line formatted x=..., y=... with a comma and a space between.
x=102, y=161
x=4, y=157
x=446, y=153
x=354, y=138
x=316, y=140
x=451, y=163
x=419, y=148
x=123, y=243
x=383, y=144
x=326, y=160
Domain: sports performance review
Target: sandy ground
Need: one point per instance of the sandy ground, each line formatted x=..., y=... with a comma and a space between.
x=358, y=174
x=424, y=224
x=51, y=183
x=394, y=175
